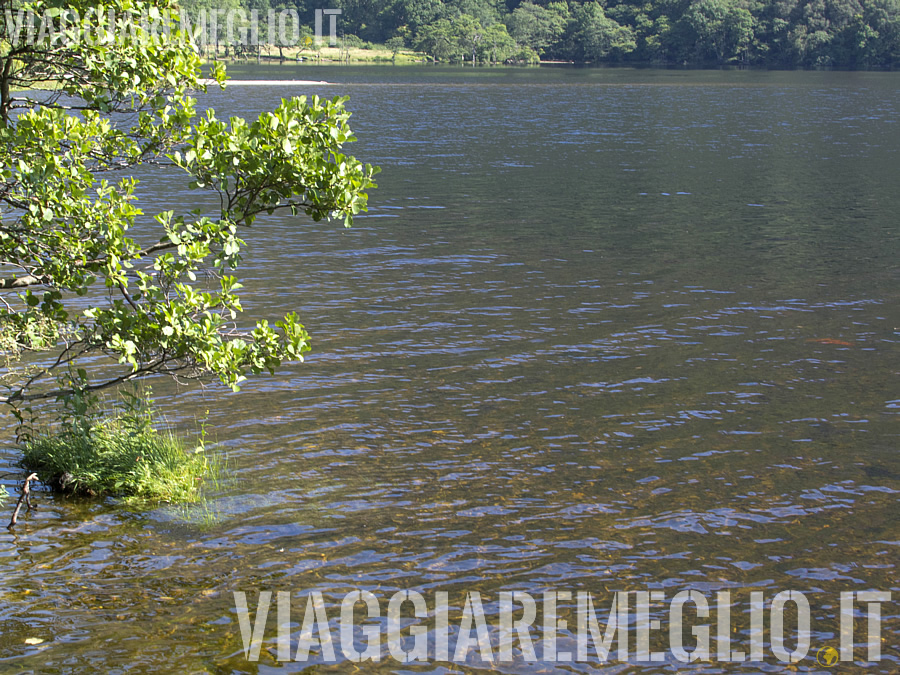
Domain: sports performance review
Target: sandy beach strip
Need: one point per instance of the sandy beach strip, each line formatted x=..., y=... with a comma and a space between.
x=268, y=83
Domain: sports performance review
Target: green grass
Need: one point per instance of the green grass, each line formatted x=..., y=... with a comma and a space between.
x=122, y=457
x=204, y=515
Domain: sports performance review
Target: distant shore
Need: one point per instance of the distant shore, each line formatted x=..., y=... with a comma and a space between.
x=241, y=83
x=371, y=53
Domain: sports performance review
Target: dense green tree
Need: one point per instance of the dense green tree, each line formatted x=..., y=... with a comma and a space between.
x=883, y=16
x=497, y=46
x=411, y=15
x=438, y=39
x=783, y=33
x=538, y=27
x=861, y=43
x=718, y=29
x=485, y=12
x=469, y=34
x=365, y=18
x=593, y=35
x=772, y=40
x=812, y=35
x=465, y=39
x=95, y=292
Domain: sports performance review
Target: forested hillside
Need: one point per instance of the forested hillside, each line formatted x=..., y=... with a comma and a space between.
x=777, y=33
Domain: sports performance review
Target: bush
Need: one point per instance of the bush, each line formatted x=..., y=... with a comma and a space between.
x=395, y=44
x=123, y=456
x=526, y=55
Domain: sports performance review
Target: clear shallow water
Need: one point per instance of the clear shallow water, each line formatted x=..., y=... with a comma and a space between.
x=576, y=344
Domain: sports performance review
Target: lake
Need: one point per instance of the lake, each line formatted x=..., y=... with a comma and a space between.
x=601, y=330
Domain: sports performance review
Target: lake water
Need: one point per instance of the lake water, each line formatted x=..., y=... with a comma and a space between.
x=601, y=330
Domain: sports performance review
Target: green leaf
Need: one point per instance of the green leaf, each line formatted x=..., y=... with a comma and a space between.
x=72, y=225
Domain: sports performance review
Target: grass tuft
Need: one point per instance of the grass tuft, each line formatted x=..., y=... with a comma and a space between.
x=122, y=457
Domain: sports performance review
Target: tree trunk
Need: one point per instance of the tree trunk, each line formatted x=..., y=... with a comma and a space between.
x=4, y=93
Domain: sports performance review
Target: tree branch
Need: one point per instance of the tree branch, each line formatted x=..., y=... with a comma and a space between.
x=26, y=489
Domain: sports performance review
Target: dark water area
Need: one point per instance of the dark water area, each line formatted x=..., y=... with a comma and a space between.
x=600, y=330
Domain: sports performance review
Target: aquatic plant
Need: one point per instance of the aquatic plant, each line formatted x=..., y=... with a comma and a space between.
x=129, y=455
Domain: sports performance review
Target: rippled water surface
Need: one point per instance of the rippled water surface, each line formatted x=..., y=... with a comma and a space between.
x=600, y=330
